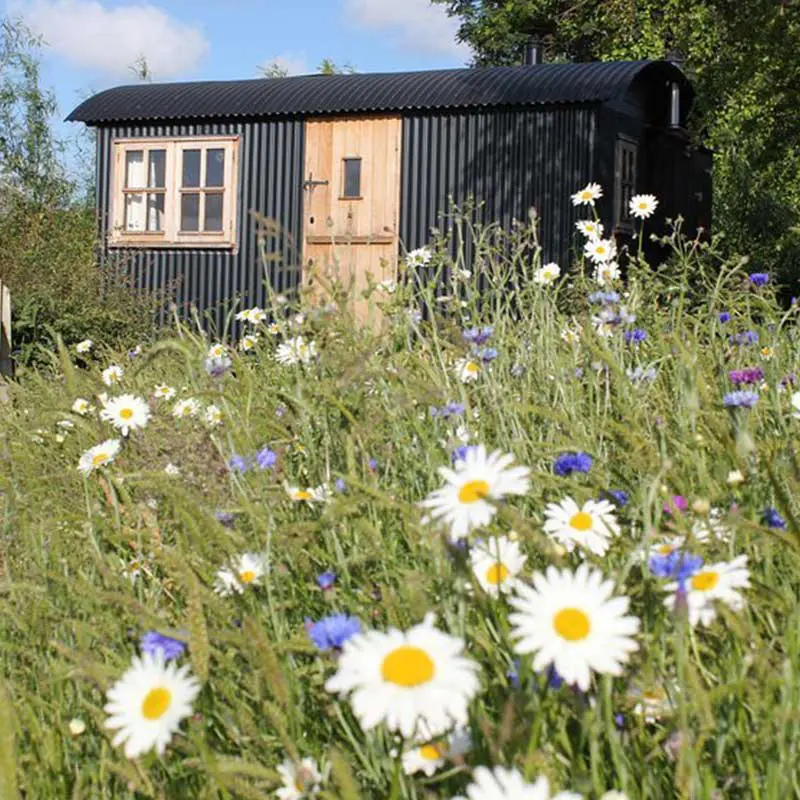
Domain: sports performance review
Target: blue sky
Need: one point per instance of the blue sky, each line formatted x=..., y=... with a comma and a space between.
x=91, y=44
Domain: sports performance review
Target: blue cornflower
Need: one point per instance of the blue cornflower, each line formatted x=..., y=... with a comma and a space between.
x=339, y=485
x=677, y=565
x=759, y=278
x=488, y=354
x=773, y=519
x=740, y=399
x=724, y=317
x=513, y=675
x=330, y=633
x=152, y=641
x=617, y=496
x=606, y=298
x=373, y=464
x=635, y=336
x=567, y=463
x=460, y=453
x=238, y=463
x=326, y=579
x=554, y=680
x=448, y=410
x=225, y=518
x=642, y=374
x=744, y=337
x=266, y=458
x=478, y=336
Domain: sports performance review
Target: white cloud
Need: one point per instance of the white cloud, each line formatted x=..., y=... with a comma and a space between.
x=419, y=26
x=111, y=40
x=292, y=64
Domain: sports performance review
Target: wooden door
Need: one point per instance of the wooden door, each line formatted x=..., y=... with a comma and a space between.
x=351, y=202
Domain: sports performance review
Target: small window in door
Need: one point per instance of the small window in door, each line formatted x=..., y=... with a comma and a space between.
x=352, y=178
x=625, y=180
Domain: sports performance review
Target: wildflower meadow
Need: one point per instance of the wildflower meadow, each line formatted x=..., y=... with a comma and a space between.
x=528, y=532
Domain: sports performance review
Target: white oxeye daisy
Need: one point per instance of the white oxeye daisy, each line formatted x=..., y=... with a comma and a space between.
x=213, y=416
x=217, y=351
x=253, y=315
x=589, y=526
x=600, y=250
x=614, y=795
x=468, y=369
x=412, y=680
x=389, y=286
x=295, y=351
x=82, y=406
x=720, y=581
x=433, y=755
x=571, y=331
x=735, y=477
x=98, y=456
x=661, y=547
x=186, y=408
x=420, y=257
x=502, y=783
x=547, y=274
x=172, y=470
x=590, y=229
x=112, y=375
x=300, y=780
x=651, y=701
x=248, y=342
x=84, y=347
x=642, y=206
x=274, y=328
x=244, y=570
x=163, y=392
x=712, y=525
x=587, y=195
x=572, y=621
x=126, y=413
x=147, y=704
x=795, y=401
x=496, y=563
x=309, y=494
x=464, y=503
x=607, y=272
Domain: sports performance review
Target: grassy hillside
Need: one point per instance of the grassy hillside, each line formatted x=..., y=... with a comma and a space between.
x=317, y=470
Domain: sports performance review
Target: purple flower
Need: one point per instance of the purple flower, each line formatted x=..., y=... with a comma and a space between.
x=372, y=463
x=617, y=496
x=788, y=380
x=325, y=580
x=217, y=367
x=642, y=374
x=460, y=453
x=330, y=633
x=724, y=317
x=448, y=410
x=238, y=463
x=152, y=642
x=340, y=485
x=567, y=463
x=554, y=680
x=604, y=298
x=266, y=458
x=677, y=503
x=478, y=336
x=740, y=399
x=744, y=337
x=759, y=278
x=225, y=518
x=513, y=674
x=488, y=354
x=635, y=336
x=742, y=377
x=772, y=519
x=677, y=565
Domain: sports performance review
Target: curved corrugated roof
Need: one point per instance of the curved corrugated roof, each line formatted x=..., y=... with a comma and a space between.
x=307, y=95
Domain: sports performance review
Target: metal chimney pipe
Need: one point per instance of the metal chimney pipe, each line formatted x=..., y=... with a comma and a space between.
x=534, y=51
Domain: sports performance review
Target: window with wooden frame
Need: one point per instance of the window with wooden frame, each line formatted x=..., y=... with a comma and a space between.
x=174, y=192
x=625, y=163
x=351, y=178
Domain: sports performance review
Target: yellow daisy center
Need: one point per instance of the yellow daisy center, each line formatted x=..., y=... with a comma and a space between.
x=126, y=413
x=432, y=752
x=408, y=666
x=99, y=458
x=705, y=581
x=302, y=494
x=496, y=574
x=572, y=624
x=643, y=205
x=471, y=366
x=581, y=521
x=156, y=703
x=247, y=576
x=473, y=491
x=586, y=195
x=600, y=250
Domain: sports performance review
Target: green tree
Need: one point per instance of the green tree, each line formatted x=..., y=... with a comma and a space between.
x=744, y=59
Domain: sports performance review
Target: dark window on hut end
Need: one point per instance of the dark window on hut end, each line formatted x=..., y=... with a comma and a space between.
x=351, y=180
x=625, y=163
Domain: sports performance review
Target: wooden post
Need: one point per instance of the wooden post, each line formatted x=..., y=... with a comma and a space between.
x=6, y=366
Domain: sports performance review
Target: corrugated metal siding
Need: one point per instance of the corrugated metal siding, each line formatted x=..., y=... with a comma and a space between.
x=510, y=160
x=270, y=181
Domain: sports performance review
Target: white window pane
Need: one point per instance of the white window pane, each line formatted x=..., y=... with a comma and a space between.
x=213, y=215
x=191, y=168
x=157, y=173
x=190, y=212
x=134, y=212
x=215, y=167
x=134, y=169
x=155, y=212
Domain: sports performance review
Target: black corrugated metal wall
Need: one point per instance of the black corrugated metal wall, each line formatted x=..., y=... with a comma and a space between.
x=270, y=181
x=511, y=159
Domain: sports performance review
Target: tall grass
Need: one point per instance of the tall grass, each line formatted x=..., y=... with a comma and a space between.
x=72, y=616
